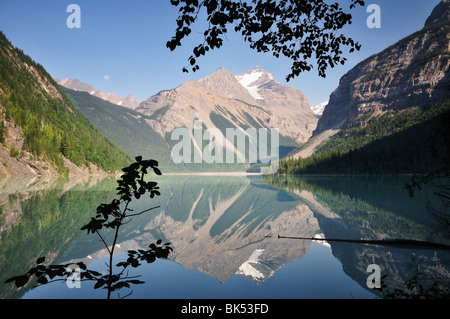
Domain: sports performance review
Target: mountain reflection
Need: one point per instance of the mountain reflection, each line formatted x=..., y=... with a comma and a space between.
x=222, y=226
x=226, y=226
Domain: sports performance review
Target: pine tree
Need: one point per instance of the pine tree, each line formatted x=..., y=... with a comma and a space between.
x=64, y=146
x=2, y=132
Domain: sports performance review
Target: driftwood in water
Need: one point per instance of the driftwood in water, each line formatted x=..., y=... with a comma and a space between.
x=397, y=242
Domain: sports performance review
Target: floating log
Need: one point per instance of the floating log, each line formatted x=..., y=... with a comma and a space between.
x=396, y=242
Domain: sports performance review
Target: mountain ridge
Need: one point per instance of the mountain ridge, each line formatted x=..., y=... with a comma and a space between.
x=440, y=13
x=386, y=110
x=128, y=101
x=412, y=72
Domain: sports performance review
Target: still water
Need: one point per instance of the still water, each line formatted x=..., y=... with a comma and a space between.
x=224, y=231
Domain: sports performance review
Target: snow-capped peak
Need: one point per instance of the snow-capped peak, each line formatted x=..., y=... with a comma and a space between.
x=318, y=108
x=249, y=81
x=248, y=268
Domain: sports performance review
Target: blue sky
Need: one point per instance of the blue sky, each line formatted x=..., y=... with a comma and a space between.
x=121, y=45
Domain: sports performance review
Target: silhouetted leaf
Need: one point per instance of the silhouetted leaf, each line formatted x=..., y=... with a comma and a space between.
x=19, y=281
x=82, y=265
x=121, y=285
x=151, y=258
x=99, y=283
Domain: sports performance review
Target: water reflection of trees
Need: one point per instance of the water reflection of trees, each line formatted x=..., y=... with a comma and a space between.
x=377, y=208
x=112, y=216
x=360, y=207
x=46, y=223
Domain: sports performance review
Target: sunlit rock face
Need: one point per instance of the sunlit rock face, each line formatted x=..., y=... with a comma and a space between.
x=251, y=99
x=412, y=72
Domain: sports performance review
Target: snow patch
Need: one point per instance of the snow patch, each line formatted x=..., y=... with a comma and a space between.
x=92, y=92
x=247, y=79
x=248, y=269
x=318, y=108
x=320, y=241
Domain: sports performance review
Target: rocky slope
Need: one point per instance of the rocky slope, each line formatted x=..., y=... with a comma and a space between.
x=412, y=72
x=246, y=99
x=439, y=14
x=20, y=170
x=128, y=101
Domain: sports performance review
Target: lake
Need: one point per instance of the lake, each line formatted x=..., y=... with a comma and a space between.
x=225, y=234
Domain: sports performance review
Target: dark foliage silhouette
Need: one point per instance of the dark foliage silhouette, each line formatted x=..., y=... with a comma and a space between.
x=297, y=30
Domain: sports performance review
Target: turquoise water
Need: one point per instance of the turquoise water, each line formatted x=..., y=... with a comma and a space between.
x=225, y=230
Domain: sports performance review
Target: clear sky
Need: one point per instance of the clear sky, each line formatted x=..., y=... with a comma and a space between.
x=121, y=45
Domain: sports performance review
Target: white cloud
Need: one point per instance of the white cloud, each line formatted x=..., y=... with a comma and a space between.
x=106, y=77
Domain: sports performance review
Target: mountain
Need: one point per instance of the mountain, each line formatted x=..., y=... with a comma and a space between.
x=412, y=72
x=218, y=100
x=384, y=115
x=42, y=132
x=221, y=100
x=275, y=105
x=129, y=101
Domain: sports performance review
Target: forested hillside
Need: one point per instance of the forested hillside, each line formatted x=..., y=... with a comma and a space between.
x=404, y=141
x=126, y=127
x=389, y=109
x=52, y=127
